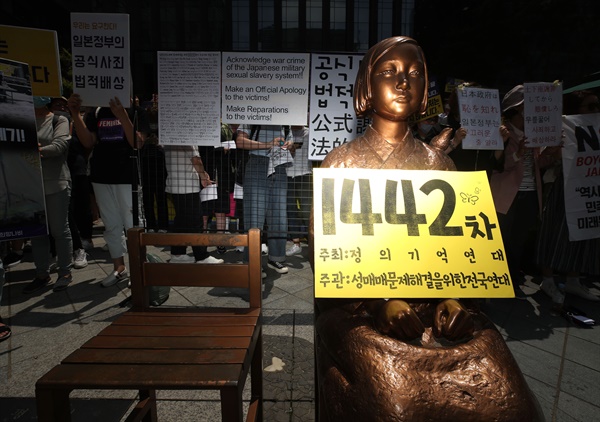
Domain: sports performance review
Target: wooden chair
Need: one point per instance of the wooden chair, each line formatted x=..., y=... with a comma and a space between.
x=191, y=348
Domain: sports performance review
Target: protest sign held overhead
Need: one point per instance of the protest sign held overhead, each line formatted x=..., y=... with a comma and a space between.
x=332, y=118
x=543, y=114
x=100, y=51
x=189, y=88
x=39, y=49
x=480, y=117
x=581, y=169
x=265, y=88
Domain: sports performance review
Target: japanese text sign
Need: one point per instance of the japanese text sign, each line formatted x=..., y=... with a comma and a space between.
x=100, y=50
x=332, y=118
x=543, y=114
x=406, y=233
x=581, y=168
x=480, y=117
x=265, y=88
x=189, y=88
x=39, y=49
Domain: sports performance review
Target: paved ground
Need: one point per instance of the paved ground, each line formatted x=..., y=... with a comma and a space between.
x=561, y=361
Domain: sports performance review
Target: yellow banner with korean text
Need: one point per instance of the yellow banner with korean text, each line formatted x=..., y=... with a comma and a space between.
x=39, y=49
x=407, y=233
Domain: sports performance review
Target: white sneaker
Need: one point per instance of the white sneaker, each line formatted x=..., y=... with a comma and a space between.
x=549, y=287
x=264, y=249
x=295, y=249
x=210, y=260
x=574, y=287
x=181, y=259
x=239, y=249
x=80, y=259
x=114, y=277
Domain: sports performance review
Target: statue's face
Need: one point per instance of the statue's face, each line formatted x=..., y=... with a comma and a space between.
x=398, y=83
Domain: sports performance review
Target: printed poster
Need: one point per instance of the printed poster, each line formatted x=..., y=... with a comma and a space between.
x=543, y=114
x=189, y=89
x=265, y=88
x=480, y=117
x=407, y=234
x=581, y=168
x=38, y=48
x=22, y=202
x=435, y=106
x=333, y=121
x=100, y=53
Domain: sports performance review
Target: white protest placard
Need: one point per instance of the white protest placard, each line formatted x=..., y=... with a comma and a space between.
x=581, y=169
x=100, y=54
x=543, y=114
x=265, y=88
x=480, y=117
x=22, y=200
x=189, y=92
x=332, y=118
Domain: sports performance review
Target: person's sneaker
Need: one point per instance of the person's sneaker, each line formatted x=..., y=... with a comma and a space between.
x=210, y=260
x=221, y=250
x=549, y=287
x=114, y=277
x=80, y=259
x=12, y=259
x=574, y=287
x=36, y=284
x=264, y=249
x=295, y=249
x=62, y=283
x=162, y=231
x=52, y=265
x=278, y=266
x=239, y=249
x=263, y=274
x=181, y=259
x=87, y=244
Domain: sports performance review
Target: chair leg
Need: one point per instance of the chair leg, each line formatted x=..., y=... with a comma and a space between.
x=231, y=405
x=52, y=405
x=150, y=396
x=256, y=374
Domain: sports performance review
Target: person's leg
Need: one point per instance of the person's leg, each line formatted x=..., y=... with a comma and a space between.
x=57, y=206
x=292, y=207
x=75, y=235
x=162, y=208
x=108, y=202
x=255, y=194
x=277, y=214
x=82, y=212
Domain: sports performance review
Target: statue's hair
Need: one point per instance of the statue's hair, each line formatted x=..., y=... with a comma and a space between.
x=362, y=86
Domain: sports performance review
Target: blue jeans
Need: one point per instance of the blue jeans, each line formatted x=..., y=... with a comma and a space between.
x=57, y=213
x=266, y=197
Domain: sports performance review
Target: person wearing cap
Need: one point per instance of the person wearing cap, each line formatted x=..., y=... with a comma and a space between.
x=517, y=188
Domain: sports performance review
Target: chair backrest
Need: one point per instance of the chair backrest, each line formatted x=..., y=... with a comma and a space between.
x=144, y=274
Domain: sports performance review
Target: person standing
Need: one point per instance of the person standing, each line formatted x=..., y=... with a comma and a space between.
x=110, y=132
x=53, y=141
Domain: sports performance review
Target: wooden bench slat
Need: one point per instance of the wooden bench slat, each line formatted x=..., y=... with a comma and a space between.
x=196, y=343
x=158, y=356
x=167, y=377
x=165, y=274
x=204, y=311
x=160, y=319
x=173, y=331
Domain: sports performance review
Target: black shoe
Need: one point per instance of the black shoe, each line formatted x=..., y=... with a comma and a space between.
x=278, y=266
x=221, y=250
x=36, y=284
x=12, y=259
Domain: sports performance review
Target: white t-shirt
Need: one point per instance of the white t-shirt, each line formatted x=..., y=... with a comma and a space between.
x=182, y=178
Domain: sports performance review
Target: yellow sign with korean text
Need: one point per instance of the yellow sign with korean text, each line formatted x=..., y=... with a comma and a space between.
x=39, y=49
x=408, y=234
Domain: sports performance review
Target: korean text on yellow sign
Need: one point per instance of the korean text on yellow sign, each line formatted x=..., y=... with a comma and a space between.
x=406, y=233
x=39, y=49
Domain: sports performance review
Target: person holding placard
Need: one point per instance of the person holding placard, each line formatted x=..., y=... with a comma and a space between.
x=517, y=188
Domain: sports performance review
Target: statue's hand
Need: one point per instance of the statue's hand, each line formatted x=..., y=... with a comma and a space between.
x=397, y=319
x=452, y=321
x=442, y=140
